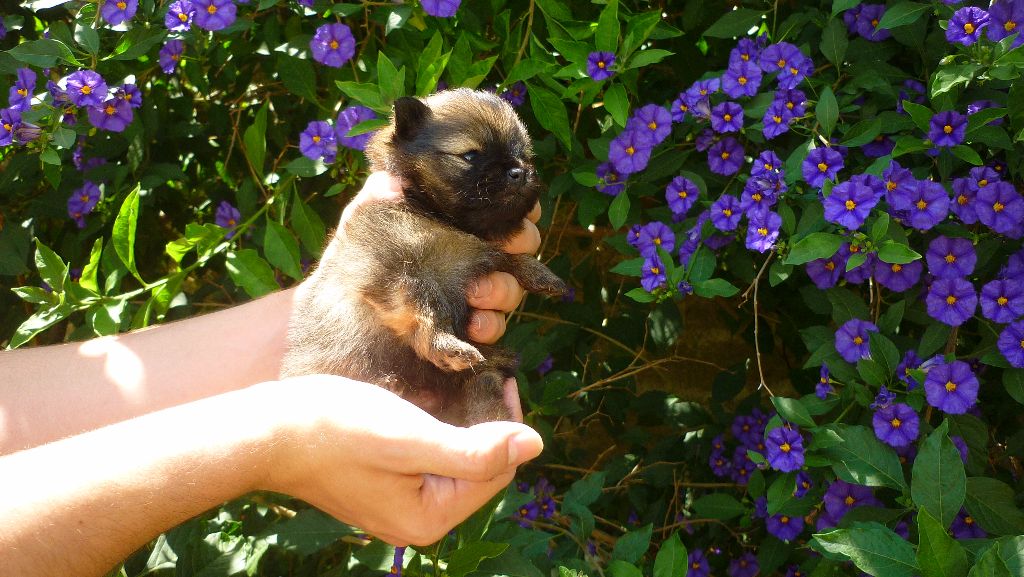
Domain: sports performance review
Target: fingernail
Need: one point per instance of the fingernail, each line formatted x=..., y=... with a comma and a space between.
x=524, y=446
x=480, y=288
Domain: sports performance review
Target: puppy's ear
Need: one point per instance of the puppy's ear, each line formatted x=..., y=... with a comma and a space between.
x=410, y=116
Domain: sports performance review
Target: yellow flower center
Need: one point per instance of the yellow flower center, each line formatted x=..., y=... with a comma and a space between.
x=110, y=110
x=334, y=44
x=630, y=150
x=727, y=211
x=950, y=386
x=830, y=265
x=790, y=105
x=968, y=28
x=762, y=231
x=182, y=16
x=682, y=194
x=756, y=197
x=858, y=340
x=793, y=70
x=695, y=565
x=23, y=91
x=601, y=64
x=891, y=186
x=982, y=183
x=727, y=117
x=951, y=300
x=849, y=500
x=122, y=5
x=895, y=422
x=652, y=125
x=874, y=22
x=84, y=198
x=850, y=205
x=785, y=448
x=784, y=519
x=316, y=139
x=768, y=167
x=212, y=9
x=725, y=155
x=781, y=63
x=87, y=89
x=742, y=80
x=998, y=206
x=657, y=240
x=745, y=57
x=655, y=270
x=921, y=204
x=950, y=258
x=969, y=520
x=175, y=57
x=1001, y=301
x=962, y=199
x=683, y=107
x=777, y=119
x=897, y=268
x=947, y=129
x=1010, y=25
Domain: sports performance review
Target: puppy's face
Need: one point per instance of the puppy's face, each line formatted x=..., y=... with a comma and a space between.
x=465, y=156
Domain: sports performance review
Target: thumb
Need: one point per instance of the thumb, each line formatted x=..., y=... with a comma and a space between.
x=478, y=453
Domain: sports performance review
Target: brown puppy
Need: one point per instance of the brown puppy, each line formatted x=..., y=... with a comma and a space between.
x=387, y=302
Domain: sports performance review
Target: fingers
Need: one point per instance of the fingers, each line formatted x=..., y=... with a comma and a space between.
x=526, y=241
x=378, y=186
x=486, y=326
x=534, y=214
x=479, y=453
x=512, y=400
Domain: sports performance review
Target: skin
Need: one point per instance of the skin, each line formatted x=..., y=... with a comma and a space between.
x=107, y=443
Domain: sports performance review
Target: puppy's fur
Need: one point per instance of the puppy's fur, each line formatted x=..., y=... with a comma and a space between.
x=387, y=303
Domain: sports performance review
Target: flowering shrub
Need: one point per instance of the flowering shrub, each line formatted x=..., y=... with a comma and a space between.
x=832, y=185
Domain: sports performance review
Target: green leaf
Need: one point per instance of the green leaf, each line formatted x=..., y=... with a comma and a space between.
x=123, y=235
x=827, y=110
x=282, y=250
x=617, y=103
x=43, y=53
x=834, y=41
x=51, y=267
x=364, y=93
x=814, y=246
x=307, y=224
x=87, y=38
x=893, y=252
x=306, y=167
x=35, y=295
x=902, y=13
x=938, y=554
x=920, y=114
x=137, y=42
x=298, y=76
x=585, y=491
x=619, y=568
x=793, y=411
x=839, y=6
x=865, y=460
x=431, y=65
x=550, y=112
x=467, y=558
x=672, y=558
x=990, y=564
x=638, y=29
x=618, y=211
x=714, y=287
x=1013, y=382
x=647, y=57
x=390, y=79
x=249, y=271
x=39, y=322
x=873, y=548
x=255, y=139
x=967, y=154
x=632, y=546
x=735, y=23
x=991, y=503
x=640, y=295
x=719, y=506
x=846, y=305
x=88, y=279
x=982, y=117
x=863, y=132
x=606, y=36
x=947, y=78
x=631, y=267
x=938, y=482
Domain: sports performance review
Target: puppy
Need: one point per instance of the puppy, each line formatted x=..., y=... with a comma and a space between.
x=387, y=302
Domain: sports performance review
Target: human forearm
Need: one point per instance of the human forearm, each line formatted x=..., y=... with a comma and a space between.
x=80, y=505
x=107, y=380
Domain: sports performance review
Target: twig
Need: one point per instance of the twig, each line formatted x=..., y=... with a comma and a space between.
x=757, y=324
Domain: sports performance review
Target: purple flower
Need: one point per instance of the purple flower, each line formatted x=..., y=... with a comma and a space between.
x=896, y=425
x=900, y=186
x=849, y=204
x=655, y=235
x=964, y=200
x=786, y=59
x=118, y=11
x=630, y=151
x=897, y=277
x=866, y=22
x=681, y=194
x=763, y=231
x=793, y=100
x=821, y=163
x=726, y=213
x=318, y=141
x=767, y=164
x=599, y=65
x=113, y=115
x=784, y=527
x=1004, y=18
x=966, y=24
x=397, y=563
x=883, y=399
x=1011, y=343
x=759, y=194
x=545, y=366
x=909, y=362
x=680, y=108
x=515, y=94
x=720, y=465
x=82, y=201
x=703, y=141
x=1000, y=207
x=961, y=447
x=878, y=147
x=824, y=385
x=653, y=120
x=698, y=96
x=214, y=14
x=744, y=566
x=951, y=387
x=951, y=257
x=785, y=449
x=841, y=496
x=742, y=79
x=333, y=44
x=86, y=88
x=951, y=301
x=652, y=274
x=863, y=272
x=633, y=236
x=20, y=95
x=179, y=16
x=964, y=526
x=746, y=50
x=129, y=93
x=727, y=117
x=3, y=29
x=349, y=118
x=742, y=466
x=725, y=157
x=441, y=8
x=611, y=182
x=697, y=564
x=527, y=513
x=1002, y=301
x=170, y=55
x=776, y=120
x=227, y=217
x=947, y=128
x=803, y=484
x=852, y=339
x=929, y=205
x=825, y=272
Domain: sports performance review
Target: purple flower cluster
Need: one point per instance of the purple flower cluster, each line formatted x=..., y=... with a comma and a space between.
x=82, y=202
x=863, y=20
x=542, y=506
x=749, y=433
x=320, y=140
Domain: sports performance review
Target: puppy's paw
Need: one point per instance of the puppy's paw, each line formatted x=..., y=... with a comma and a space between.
x=451, y=354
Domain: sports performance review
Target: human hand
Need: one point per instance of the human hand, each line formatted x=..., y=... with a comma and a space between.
x=491, y=296
x=376, y=461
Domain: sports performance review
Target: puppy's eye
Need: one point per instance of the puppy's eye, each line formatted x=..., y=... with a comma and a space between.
x=470, y=156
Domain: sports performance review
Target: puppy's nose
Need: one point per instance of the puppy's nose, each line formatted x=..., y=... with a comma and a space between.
x=516, y=174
